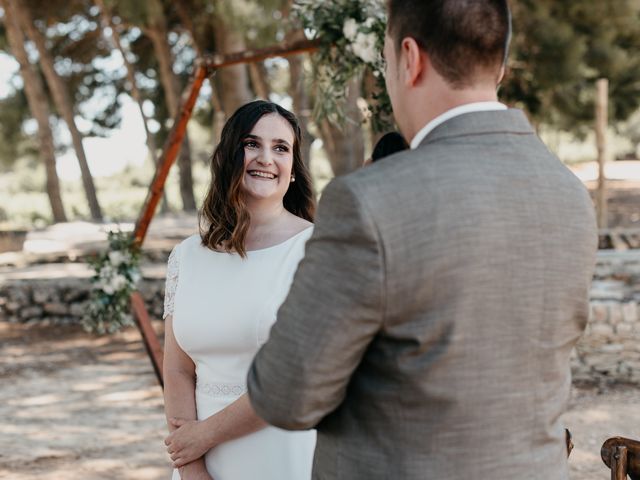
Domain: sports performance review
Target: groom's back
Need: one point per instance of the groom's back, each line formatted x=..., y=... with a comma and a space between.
x=489, y=247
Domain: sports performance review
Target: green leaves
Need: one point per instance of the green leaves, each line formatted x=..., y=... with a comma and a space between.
x=561, y=48
x=351, y=33
x=116, y=275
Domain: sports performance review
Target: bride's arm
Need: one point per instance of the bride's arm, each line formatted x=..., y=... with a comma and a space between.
x=193, y=438
x=179, y=395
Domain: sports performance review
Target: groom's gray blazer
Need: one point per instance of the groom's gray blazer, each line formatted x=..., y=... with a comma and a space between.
x=428, y=330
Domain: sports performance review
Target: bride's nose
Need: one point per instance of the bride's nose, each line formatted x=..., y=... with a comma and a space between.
x=264, y=158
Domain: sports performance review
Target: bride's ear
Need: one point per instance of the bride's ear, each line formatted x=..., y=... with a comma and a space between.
x=413, y=61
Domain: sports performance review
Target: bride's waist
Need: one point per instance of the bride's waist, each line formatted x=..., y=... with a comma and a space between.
x=211, y=397
x=215, y=389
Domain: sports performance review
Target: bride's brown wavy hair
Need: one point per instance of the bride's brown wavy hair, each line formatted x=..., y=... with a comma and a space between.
x=224, y=218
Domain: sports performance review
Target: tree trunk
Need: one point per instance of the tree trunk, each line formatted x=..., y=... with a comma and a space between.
x=298, y=89
x=602, y=108
x=259, y=81
x=133, y=87
x=345, y=144
x=301, y=107
x=219, y=117
x=62, y=101
x=233, y=81
x=157, y=33
x=39, y=106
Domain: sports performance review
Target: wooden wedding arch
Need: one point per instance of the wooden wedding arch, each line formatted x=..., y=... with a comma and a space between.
x=204, y=67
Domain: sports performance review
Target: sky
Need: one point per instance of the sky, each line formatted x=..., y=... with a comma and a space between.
x=106, y=156
x=124, y=146
x=109, y=155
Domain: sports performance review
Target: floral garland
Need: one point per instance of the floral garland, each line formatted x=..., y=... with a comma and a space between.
x=351, y=35
x=115, y=277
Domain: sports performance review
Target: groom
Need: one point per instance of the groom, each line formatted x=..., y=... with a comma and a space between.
x=428, y=330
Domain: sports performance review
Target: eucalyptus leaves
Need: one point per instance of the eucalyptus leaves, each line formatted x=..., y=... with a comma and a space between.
x=351, y=34
x=116, y=275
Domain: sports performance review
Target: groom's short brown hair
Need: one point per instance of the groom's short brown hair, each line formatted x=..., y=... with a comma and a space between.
x=463, y=38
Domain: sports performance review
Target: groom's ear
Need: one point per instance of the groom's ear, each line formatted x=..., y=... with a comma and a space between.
x=413, y=61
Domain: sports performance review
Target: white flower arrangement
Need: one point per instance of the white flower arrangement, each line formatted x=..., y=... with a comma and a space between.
x=115, y=278
x=351, y=35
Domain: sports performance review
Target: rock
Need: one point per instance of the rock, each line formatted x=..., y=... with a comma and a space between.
x=602, y=329
x=20, y=295
x=630, y=312
x=615, y=313
x=12, y=307
x=147, y=291
x=31, y=312
x=607, y=290
x=624, y=329
x=78, y=309
x=40, y=296
x=612, y=348
x=599, y=312
x=56, y=308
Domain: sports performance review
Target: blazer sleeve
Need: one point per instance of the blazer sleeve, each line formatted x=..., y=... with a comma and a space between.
x=333, y=311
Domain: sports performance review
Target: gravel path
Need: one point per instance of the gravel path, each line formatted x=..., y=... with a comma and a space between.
x=78, y=407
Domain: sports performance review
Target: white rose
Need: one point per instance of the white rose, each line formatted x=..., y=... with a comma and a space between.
x=369, y=22
x=365, y=47
x=106, y=288
x=118, y=282
x=116, y=258
x=106, y=272
x=350, y=29
x=135, y=277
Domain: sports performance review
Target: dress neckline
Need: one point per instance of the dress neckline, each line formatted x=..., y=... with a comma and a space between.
x=272, y=247
x=281, y=243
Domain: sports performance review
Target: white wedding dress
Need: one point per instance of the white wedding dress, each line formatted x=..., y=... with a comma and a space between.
x=223, y=307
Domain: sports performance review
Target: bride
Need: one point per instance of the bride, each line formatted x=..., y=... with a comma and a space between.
x=223, y=289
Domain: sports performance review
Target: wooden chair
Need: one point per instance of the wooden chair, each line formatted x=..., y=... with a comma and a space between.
x=622, y=456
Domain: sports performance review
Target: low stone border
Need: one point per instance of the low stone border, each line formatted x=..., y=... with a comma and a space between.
x=63, y=302
x=610, y=346
x=608, y=351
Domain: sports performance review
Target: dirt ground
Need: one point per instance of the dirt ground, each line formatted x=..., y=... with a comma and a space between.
x=74, y=406
x=79, y=407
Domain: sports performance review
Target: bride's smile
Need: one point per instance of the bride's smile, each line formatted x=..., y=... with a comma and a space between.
x=268, y=160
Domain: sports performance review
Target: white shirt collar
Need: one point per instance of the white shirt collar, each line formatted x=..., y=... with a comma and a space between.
x=454, y=112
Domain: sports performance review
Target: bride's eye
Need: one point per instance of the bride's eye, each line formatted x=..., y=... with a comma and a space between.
x=281, y=148
x=250, y=144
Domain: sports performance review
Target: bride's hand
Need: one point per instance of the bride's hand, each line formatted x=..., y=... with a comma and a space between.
x=189, y=442
x=194, y=471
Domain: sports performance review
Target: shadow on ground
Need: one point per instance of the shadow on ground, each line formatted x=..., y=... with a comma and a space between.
x=77, y=406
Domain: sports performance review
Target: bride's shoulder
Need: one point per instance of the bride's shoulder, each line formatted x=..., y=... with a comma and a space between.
x=297, y=225
x=189, y=243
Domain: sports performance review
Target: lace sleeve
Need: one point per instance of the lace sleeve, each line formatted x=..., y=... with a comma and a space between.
x=171, y=283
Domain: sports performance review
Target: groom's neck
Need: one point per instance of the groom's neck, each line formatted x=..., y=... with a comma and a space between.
x=432, y=101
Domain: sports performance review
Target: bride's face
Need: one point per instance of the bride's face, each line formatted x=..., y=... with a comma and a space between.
x=268, y=159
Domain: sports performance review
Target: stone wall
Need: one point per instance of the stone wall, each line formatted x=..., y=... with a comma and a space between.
x=609, y=349
x=62, y=301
